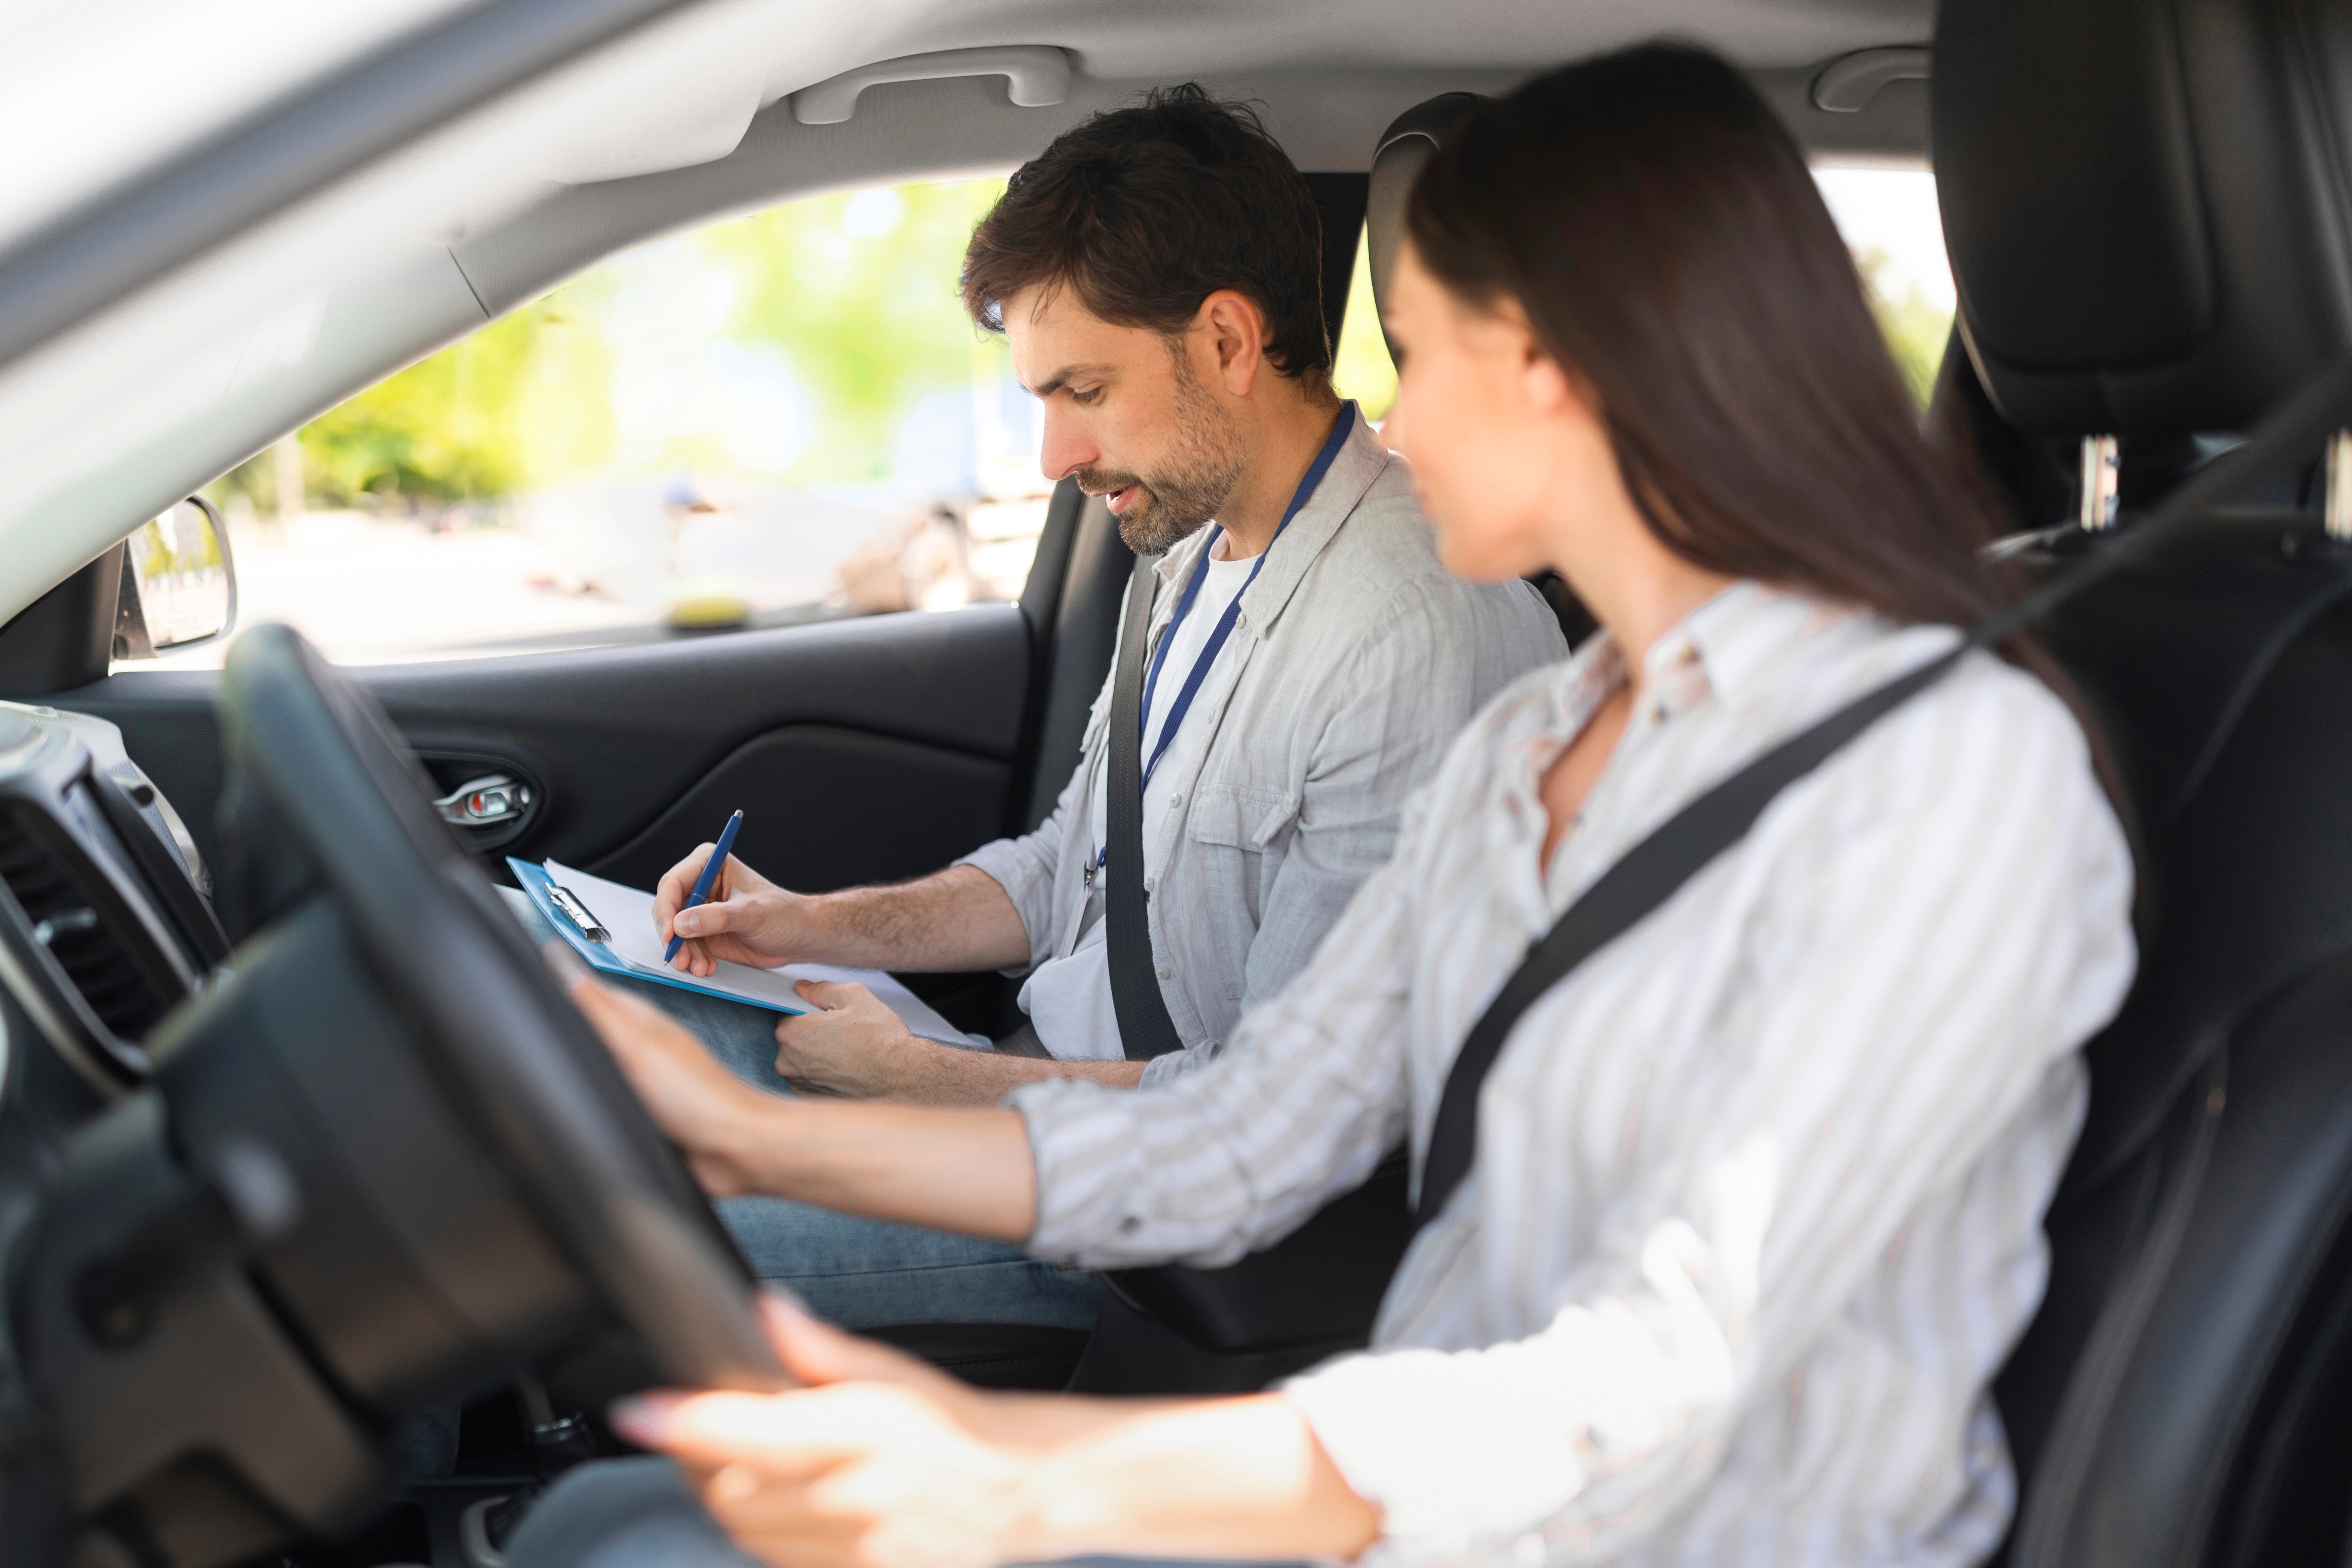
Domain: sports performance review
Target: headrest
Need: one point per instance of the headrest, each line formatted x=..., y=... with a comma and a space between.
x=2145, y=206
x=1404, y=147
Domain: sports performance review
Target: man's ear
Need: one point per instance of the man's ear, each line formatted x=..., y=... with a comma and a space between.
x=1235, y=329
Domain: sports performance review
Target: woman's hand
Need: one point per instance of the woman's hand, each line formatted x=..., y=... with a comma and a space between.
x=708, y=1112
x=749, y=919
x=882, y=1462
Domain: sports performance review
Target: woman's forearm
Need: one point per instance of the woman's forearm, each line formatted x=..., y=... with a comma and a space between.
x=966, y=1170
x=951, y=1168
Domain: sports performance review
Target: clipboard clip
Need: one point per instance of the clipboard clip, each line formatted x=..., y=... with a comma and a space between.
x=575, y=911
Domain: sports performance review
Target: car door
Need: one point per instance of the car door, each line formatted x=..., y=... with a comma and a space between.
x=859, y=751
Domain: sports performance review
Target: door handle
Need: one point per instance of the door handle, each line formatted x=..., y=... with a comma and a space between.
x=491, y=801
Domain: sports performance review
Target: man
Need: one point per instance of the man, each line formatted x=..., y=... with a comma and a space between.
x=1157, y=272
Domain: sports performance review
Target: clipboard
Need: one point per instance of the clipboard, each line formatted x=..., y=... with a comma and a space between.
x=579, y=905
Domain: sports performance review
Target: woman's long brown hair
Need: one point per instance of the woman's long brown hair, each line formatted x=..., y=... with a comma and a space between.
x=1660, y=227
x=1664, y=235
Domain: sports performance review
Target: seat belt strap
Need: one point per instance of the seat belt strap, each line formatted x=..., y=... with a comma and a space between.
x=1145, y=1030
x=1678, y=849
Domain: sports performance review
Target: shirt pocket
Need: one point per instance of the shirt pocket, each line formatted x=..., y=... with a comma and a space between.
x=1239, y=818
x=1238, y=836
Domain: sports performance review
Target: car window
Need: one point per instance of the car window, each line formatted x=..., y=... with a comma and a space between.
x=1890, y=222
x=778, y=419
x=1360, y=366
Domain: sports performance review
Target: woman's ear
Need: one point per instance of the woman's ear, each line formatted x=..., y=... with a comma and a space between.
x=1549, y=388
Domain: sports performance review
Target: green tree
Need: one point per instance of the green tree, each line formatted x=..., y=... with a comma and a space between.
x=428, y=431
x=860, y=292
x=1916, y=331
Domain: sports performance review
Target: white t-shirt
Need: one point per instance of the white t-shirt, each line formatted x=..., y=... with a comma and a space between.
x=1068, y=997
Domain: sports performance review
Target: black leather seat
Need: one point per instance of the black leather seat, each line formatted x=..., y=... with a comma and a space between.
x=2147, y=221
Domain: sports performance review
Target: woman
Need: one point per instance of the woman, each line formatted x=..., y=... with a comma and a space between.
x=1755, y=1209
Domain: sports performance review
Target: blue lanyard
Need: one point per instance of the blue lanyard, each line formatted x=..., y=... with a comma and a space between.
x=1225, y=626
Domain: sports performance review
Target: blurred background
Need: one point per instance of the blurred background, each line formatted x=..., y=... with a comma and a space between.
x=780, y=418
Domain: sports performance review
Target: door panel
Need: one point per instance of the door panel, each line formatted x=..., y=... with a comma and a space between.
x=859, y=750
x=826, y=807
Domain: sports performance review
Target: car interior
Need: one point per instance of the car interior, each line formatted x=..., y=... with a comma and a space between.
x=300, y=1143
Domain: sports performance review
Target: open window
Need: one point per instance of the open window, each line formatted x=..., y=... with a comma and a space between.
x=778, y=419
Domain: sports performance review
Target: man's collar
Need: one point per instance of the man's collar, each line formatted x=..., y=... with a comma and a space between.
x=1361, y=459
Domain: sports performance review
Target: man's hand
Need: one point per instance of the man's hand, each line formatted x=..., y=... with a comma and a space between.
x=749, y=919
x=855, y=1045
x=852, y=1044
x=704, y=1109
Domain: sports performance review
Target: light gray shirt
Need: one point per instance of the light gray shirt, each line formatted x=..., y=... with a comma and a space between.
x=1756, y=1208
x=1356, y=658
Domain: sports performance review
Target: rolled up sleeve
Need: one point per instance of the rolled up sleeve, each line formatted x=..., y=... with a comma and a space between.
x=1023, y=868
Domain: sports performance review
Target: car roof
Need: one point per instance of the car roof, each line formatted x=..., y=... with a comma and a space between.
x=194, y=260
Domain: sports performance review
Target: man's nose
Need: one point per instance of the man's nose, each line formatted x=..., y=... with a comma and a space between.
x=1067, y=446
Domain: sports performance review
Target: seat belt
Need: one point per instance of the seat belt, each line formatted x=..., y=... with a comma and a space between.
x=1649, y=874
x=1686, y=842
x=1145, y=1029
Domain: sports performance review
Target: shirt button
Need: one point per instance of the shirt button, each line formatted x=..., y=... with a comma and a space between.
x=1176, y=800
x=1165, y=973
x=1150, y=883
x=1242, y=620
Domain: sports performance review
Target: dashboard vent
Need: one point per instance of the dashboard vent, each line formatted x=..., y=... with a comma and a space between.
x=78, y=931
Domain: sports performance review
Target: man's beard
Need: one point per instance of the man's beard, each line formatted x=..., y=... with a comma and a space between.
x=1193, y=482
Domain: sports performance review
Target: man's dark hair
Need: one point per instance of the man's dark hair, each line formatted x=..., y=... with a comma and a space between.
x=1145, y=212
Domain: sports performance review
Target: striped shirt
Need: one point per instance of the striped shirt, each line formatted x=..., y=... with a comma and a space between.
x=1755, y=1209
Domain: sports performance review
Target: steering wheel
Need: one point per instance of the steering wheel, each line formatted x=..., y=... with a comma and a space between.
x=515, y=1062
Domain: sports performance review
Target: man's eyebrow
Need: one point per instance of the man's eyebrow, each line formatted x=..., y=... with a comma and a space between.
x=1061, y=377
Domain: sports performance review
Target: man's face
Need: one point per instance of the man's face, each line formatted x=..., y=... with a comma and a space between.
x=1129, y=415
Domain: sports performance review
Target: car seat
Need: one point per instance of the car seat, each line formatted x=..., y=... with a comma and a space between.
x=2147, y=215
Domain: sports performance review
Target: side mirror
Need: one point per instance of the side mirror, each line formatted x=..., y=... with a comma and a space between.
x=179, y=583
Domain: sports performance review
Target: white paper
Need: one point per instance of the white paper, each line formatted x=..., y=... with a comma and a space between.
x=629, y=914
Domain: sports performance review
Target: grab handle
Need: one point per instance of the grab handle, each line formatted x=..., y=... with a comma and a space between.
x=1038, y=75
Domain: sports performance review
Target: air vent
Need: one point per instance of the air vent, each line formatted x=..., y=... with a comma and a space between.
x=83, y=932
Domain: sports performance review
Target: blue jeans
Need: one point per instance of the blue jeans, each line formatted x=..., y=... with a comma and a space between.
x=637, y=1513
x=858, y=1273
